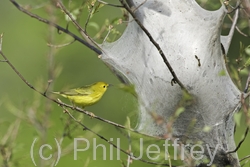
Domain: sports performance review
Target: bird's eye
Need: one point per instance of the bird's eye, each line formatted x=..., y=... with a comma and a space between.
x=104, y=86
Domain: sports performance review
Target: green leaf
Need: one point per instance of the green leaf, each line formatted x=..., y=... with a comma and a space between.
x=187, y=96
x=94, y=25
x=128, y=88
x=247, y=50
x=222, y=73
x=97, y=7
x=179, y=111
x=244, y=72
x=247, y=63
x=67, y=18
x=128, y=123
x=242, y=49
x=206, y=128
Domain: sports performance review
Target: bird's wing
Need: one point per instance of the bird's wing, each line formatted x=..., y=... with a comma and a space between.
x=84, y=90
x=78, y=91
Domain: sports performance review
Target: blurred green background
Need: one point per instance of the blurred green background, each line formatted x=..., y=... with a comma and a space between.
x=25, y=45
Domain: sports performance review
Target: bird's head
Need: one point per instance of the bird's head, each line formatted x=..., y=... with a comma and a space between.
x=100, y=87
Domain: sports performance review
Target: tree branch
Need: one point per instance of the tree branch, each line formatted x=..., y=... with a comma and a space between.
x=63, y=104
x=79, y=28
x=109, y=4
x=59, y=28
x=111, y=143
x=238, y=146
x=175, y=78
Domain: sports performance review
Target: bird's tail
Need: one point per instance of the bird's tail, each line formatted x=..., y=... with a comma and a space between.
x=58, y=93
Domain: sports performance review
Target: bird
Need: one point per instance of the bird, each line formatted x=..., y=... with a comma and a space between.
x=86, y=95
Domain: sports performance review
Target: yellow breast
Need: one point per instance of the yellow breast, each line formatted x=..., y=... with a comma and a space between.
x=83, y=101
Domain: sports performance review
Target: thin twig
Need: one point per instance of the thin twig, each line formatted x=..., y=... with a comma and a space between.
x=229, y=37
x=175, y=78
x=135, y=9
x=245, y=163
x=110, y=28
x=7, y=141
x=66, y=133
x=242, y=140
x=60, y=46
x=130, y=3
x=129, y=161
x=246, y=157
x=234, y=8
x=245, y=108
x=59, y=28
x=110, y=4
x=79, y=28
x=79, y=110
x=169, y=159
x=237, y=28
x=88, y=18
x=69, y=106
x=111, y=143
x=247, y=83
x=47, y=88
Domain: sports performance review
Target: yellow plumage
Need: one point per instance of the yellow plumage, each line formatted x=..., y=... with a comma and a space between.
x=85, y=95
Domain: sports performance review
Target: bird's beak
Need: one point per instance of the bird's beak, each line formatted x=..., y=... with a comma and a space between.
x=110, y=85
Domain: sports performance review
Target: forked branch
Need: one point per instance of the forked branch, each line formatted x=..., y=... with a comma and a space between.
x=63, y=105
x=59, y=28
x=175, y=78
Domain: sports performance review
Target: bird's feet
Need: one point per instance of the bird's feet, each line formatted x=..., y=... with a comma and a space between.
x=92, y=115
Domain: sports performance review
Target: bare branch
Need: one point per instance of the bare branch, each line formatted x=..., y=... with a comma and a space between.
x=88, y=18
x=237, y=6
x=60, y=46
x=79, y=28
x=130, y=3
x=6, y=143
x=247, y=83
x=246, y=7
x=109, y=4
x=237, y=28
x=110, y=28
x=175, y=78
x=226, y=40
x=63, y=105
x=46, y=90
x=111, y=143
x=236, y=149
x=246, y=157
x=59, y=28
x=134, y=10
x=129, y=160
x=69, y=106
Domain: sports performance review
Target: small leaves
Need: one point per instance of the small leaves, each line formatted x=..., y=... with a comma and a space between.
x=206, y=129
x=247, y=50
x=222, y=73
x=244, y=54
x=94, y=7
x=179, y=111
x=74, y=14
x=94, y=25
x=128, y=88
x=247, y=63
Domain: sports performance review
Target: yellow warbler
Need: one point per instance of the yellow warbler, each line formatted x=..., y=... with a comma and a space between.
x=85, y=95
